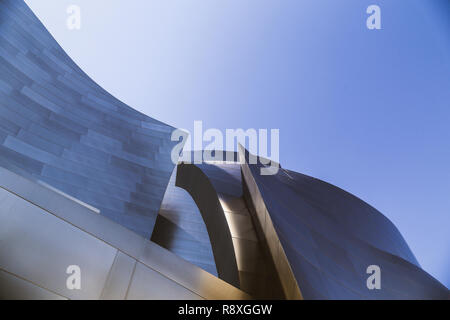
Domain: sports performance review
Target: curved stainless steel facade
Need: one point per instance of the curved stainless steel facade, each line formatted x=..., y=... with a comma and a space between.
x=43, y=232
x=86, y=180
x=322, y=240
x=180, y=228
x=221, y=199
x=240, y=258
x=60, y=127
x=69, y=151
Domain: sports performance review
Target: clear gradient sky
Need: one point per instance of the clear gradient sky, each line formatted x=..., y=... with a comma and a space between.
x=368, y=111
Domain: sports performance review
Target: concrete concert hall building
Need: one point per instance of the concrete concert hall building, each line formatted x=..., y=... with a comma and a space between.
x=87, y=184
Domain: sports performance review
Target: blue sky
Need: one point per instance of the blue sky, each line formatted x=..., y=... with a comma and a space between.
x=366, y=110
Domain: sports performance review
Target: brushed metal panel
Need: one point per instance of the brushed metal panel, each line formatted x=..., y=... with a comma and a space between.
x=256, y=271
x=149, y=284
x=196, y=182
x=180, y=228
x=14, y=288
x=249, y=256
x=91, y=225
x=119, y=277
x=241, y=226
x=103, y=228
x=310, y=227
x=53, y=114
x=186, y=274
x=39, y=247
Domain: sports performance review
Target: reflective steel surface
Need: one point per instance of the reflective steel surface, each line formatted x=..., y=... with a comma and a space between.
x=86, y=180
x=58, y=126
x=42, y=233
x=329, y=237
x=217, y=191
x=180, y=228
x=196, y=183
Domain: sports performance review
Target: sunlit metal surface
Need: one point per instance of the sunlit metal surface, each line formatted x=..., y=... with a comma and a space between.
x=180, y=228
x=193, y=180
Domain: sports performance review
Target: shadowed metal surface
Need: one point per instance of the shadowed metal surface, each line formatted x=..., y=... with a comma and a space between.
x=180, y=228
x=329, y=237
x=216, y=188
x=58, y=126
x=257, y=274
